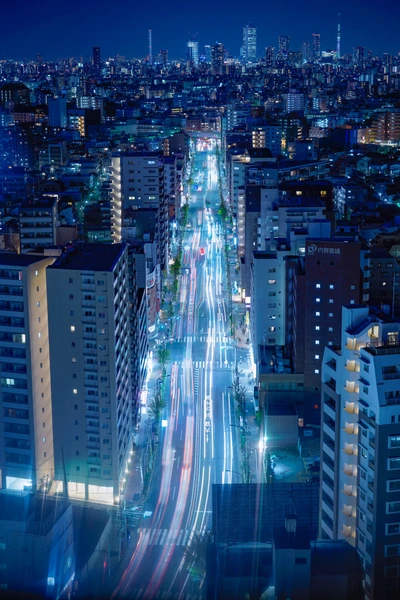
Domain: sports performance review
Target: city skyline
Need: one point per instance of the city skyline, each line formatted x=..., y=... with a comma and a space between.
x=116, y=35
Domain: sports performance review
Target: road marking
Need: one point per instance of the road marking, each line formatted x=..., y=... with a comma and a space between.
x=180, y=536
x=164, y=535
x=186, y=537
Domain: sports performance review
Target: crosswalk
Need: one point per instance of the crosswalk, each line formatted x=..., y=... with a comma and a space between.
x=140, y=594
x=218, y=339
x=168, y=537
x=196, y=381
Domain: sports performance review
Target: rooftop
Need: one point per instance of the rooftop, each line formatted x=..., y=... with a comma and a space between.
x=89, y=257
x=8, y=259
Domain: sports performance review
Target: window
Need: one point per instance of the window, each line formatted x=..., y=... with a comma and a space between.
x=392, y=528
x=394, y=463
x=330, y=315
x=272, y=281
x=72, y=327
x=316, y=357
x=271, y=305
x=317, y=299
x=74, y=391
x=392, y=550
x=72, y=344
x=44, y=440
x=316, y=371
x=331, y=287
x=71, y=296
x=394, y=441
x=271, y=293
x=362, y=516
x=318, y=285
x=393, y=507
x=352, y=287
x=71, y=313
x=393, y=486
x=100, y=282
x=38, y=304
x=70, y=280
x=317, y=342
x=317, y=314
x=101, y=298
x=78, y=468
x=76, y=452
x=73, y=359
x=106, y=441
x=271, y=328
x=352, y=301
x=37, y=288
x=317, y=328
x=330, y=328
x=102, y=315
x=330, y=300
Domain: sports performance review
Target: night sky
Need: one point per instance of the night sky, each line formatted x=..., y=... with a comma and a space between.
x=56, y=28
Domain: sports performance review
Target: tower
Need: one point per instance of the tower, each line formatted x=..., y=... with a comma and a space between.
x=96, y=58
x=192, y=52
x=283, y=47
x=249, y=44
x=150, y=48
x=338, y=40
x=217, y=58
x=316, y=46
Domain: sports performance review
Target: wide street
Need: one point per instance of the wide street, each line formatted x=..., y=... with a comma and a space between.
x=198, y=446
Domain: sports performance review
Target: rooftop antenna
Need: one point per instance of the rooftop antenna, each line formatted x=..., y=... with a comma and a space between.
x=150, y=48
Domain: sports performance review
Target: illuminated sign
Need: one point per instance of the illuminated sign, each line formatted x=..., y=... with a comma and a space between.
x=313, y=249
x=202, y=251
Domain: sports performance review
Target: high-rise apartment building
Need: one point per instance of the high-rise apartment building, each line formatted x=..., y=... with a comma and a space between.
x=96, y=58
x=249, y=44
x=26, y=431
x=217, y=58
x=57, y=112
x=360, y=488
x=386, y=127
x=192, y=52
x=316, y=46
x=90, y=357
x=37, y=223
x=138, y=183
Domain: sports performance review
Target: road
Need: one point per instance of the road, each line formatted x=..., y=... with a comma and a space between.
x=198, y=446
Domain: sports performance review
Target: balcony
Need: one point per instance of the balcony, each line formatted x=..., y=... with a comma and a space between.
x=93, y=445
x=393, y=375
x=93, y=460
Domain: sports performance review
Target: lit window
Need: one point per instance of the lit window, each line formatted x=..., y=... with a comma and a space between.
x=272, y=281
x=352, y=301
x=39, y=335
x=317, y=328
x=330, y=300
x=330, y=328
x=331, y=287
x=73, y=359
x=316, y=357
x=44, y=440
x=72, y=327
x=317, y=299
x=317, y=314
x=330, y=315
x=36, y=273
x=271, y=328
x=316, y=371
x=317, y=342
x=75, y=391
x=318, y=285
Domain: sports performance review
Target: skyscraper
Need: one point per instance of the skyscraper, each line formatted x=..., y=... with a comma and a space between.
x=316, y=46
x=26, y=431
x=249, y=44
x=217, y=58
x=90, y=354
x=283, y=47
x=269, y=56
x=57, y=112
x=338, y=40
x=207, y=53
x=306, y=51
x=164, y=57
x=192, y=52
x=96, y=58
x=360, y=497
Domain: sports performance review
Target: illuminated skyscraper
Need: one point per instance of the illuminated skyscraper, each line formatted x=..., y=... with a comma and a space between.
x=192, y=52
x=306, y=52
x=249, y=44
x=96, y=58
x=164, y=57
x=316, y=46
x=269, y=56
x=207, y=53
x=217, y=58
x=283, y=47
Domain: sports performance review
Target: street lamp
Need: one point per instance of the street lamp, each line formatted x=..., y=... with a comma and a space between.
x=236, y=473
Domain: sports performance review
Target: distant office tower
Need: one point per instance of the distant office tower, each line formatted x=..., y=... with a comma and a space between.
x=207, y=53
x=249, y=44
x=96, y=58
x=164, y=57
x=90, y=337
x=26, y=432
x=150, y=47
x=283, y=47
x=359, y=52
x=269, y=56
x=306, y=51
x=192, y=52
x=316, y=46
x=360, y=497
x=57, y=112
x=338, y=40
x=217, y=58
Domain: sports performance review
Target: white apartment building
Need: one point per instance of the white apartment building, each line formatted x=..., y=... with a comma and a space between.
x=37, y=223
x=360, y=487
x=26, y=434
x=90, y=338
x=138, y=183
